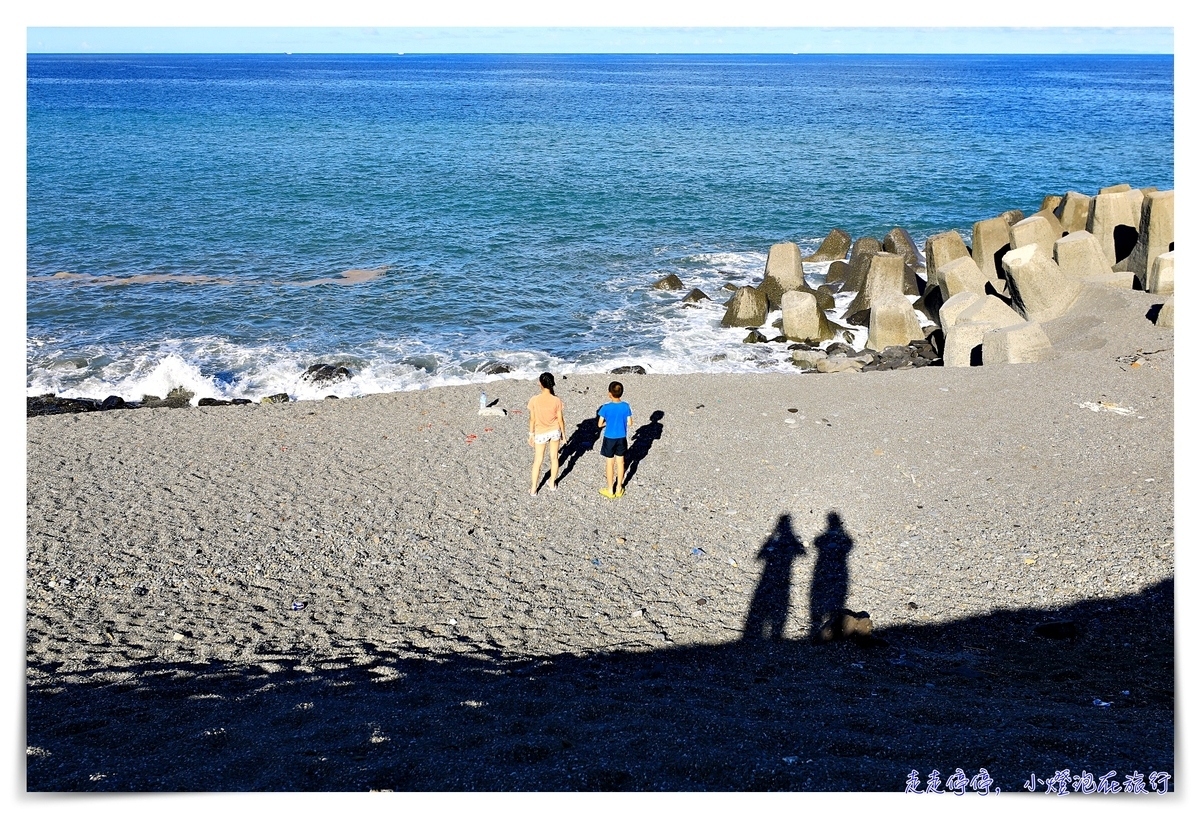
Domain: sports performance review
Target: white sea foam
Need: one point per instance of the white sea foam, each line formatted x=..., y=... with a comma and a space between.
x=669, y=337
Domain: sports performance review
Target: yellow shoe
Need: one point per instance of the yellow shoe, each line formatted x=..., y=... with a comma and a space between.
x=607, y=493
x=620, y=493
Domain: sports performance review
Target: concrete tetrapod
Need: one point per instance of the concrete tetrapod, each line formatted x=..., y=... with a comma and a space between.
x=1080, y=256
x=885, y=277
x=1035, y=229
x=964, y=337
x=1166, y=314
x=989, y=241
x=1072, y=212
x=962, y=274
x=853, y=274
x=785, y=272
x=834, y=247
x=803, y=320
x=1162, y=275
x=893, y=323
x=1156, y=233
x=1113, y=218
x=1019, y=344
x=940, y=250
x=1039, y=289
x=747, y=308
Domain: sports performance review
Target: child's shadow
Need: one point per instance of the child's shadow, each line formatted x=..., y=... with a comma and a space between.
x=640, y=445
x=583, y=439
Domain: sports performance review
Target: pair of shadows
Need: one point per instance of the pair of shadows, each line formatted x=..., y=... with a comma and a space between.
x=587, y=433
x=830, y=581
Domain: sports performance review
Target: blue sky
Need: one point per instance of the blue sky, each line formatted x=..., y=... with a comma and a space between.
x=639, y=26
x=580, y=39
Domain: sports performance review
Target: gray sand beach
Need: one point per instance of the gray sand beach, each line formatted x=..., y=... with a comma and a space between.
x=453, y=632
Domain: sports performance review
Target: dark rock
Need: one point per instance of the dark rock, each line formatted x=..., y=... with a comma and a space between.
x=177, y=398
x=282, y=397
x=729, y=288
x=52, y=405
x=241, y=401
x=779, y=339
x=214, y=402
x=629, y=370
x=113, y=402
x=331, y=397
x=695, y=296
x=838, y=348
x=754, y=337
x=497, y=369
x=326, y=374
x=668, y=282
x=843, y=624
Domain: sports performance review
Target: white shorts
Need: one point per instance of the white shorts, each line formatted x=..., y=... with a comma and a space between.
x=546, y=437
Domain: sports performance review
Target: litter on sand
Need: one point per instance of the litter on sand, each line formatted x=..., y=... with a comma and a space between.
x=1106, y=406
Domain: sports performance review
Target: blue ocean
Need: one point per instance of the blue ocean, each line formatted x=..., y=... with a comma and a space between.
x=223, y=222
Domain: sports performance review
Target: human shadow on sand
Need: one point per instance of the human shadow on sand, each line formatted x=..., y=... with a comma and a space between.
x=583, y=439
x=985, y=691
x=772, y=596
x=639, y=445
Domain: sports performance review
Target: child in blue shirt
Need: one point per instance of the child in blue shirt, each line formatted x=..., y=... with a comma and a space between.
x=614, y=418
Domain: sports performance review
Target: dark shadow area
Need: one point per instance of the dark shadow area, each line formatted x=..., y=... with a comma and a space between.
x=639, y=445
x=998, y=263
x=1084, y=687
x=831, y=574
x=977, y=355
x=1153, y=312
x=583, y=439
x=772, y=596
x=1124, y=240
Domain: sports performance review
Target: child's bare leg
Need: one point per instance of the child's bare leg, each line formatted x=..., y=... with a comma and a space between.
x=608, y=473
x=620, y=473
x=553, y=464
x=538, y=452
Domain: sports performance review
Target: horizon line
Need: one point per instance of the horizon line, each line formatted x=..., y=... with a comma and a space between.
x=757, y=40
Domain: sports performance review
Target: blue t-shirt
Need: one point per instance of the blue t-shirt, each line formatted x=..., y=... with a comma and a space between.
x=616, y=418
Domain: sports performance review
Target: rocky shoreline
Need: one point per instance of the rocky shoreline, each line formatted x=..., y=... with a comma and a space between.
x=953, y=304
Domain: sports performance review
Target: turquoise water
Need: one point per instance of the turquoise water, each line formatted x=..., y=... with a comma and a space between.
x=511, y=209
